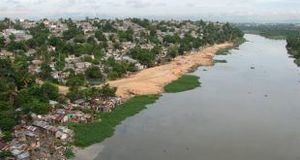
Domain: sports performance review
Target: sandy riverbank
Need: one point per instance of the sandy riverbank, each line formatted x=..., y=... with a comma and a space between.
x=153, y=80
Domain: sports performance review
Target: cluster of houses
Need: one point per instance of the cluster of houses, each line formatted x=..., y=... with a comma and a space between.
x=115, y=47
x=107, y=104
x=76, y=63
x=46, y=136
x=19, y=35
x=38, y=140
x=55, y=27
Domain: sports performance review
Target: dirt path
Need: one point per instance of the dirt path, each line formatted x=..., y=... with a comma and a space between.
x=152, y=80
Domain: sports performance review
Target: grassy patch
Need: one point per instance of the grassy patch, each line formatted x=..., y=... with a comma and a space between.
x=96, y=132
x=69, y=154
x=184, y=83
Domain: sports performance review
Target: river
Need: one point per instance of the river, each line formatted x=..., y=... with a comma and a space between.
x=246, y=109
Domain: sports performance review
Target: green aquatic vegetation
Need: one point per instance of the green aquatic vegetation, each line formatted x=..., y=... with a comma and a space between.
x=69, y=154
x=220, y=61
x=97, y=131
x=184, y=83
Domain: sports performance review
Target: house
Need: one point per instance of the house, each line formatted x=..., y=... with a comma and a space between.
x=30, y=52
x=64, y=133
x=6, y=54
x=27, y=23
x=19, y=34
x=23, y=156
x=129, y=59
x=53, y=103
x=105, y=104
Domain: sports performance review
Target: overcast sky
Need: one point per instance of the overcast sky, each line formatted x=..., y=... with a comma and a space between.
x=216, y=10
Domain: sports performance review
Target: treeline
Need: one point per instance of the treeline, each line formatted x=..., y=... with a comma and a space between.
x=293, y=46
x=273, y=31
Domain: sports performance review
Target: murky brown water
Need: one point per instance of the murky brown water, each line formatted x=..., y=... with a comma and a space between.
x=239, y=113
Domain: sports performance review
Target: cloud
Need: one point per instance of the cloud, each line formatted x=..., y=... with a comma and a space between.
x=222, y=10
x=138, y=3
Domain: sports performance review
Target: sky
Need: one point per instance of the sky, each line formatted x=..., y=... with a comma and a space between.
x=214, y=10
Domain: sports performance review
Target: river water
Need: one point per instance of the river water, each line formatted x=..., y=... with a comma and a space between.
x=246, y=109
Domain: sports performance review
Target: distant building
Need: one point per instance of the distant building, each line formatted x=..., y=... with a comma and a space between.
x=19, y=34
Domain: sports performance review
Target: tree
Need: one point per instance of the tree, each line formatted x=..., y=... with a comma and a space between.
x=25, y=79
x=107, y=27
x=2, y=42
x=171, y=39
x=14, y=46
x=144, y=56
x=4, y=154
x=76, y=80
x=55, y=41
x=79, y=39
x=49, y=91
x=91, y=39
x=126, y=36
x=108, y=91
x=142, y=22
x=173, y=52
x=116, y=68
x=7, y=120
x=39, y=34
x=100, y=36
x=98, y=53
x=93, y=73
x=12, y=37
x=24, y=96
x=72, y=31
x=36, y=106
x=83, y=48
x=46, y=71
x=35, y=99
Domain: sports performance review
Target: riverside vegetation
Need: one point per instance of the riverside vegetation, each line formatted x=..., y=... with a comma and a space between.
x=293, y=46
x=95, y=132
x=184, y=83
